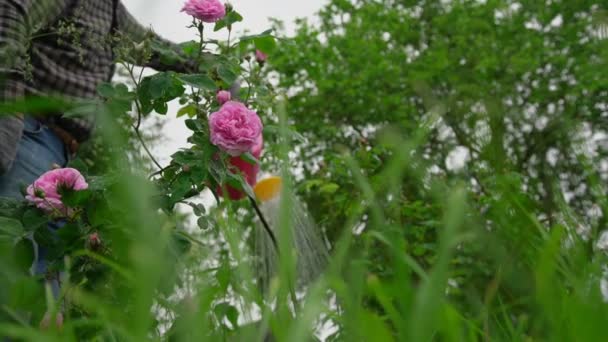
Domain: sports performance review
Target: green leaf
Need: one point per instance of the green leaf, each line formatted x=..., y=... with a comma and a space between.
x=75, y=198
x=255, y=36
x=163, y=86
x=199, y=81
x=190, y=48
x=121, y=90
x=161, y=107
x=159, y=85
x=98, y=212
x=309, y=184
x=180, y=187
x=23, y=254
x=34, y=219
x=375, y=328
x=329, y=188
x=209, y=61
x=223, y=276
x=248, y=157
x=225, y=310
x=44, y=237
x=231, y=18
x=226, y=74
x=10, y=207
x=219, y=25
x=194, y=125
x=100, y=183
x=202, y=223
x=189, y=110
x=105, y=90
x=237, y=181
x=186, y=157
x=10, y=229
x=69, y=234
x=266, y=44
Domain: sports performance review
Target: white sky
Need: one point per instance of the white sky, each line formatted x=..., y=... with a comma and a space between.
x=166, y=18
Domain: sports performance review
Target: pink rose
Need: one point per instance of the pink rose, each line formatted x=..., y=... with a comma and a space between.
x=234, y=128
x=223, y=96
x=44, y=192
x=260, y=56
x=208, y=11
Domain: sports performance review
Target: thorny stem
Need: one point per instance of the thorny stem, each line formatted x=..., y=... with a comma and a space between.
x=136, y=83
x=156, y=173
x=143, y=144
x=201, y=30
x=248, y=90
x=139, y=117
x=141, y=72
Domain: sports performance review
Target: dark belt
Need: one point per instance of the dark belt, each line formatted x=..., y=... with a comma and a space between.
x=68, y=139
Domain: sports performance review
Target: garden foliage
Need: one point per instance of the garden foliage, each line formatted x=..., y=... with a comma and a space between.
x=452, y=152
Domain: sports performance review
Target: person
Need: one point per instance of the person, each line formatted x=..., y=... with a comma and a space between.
x=59, y=47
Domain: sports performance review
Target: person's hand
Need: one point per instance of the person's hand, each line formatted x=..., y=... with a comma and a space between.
x=45, y=323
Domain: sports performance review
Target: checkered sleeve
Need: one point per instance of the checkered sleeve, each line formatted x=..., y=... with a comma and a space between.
x=19, y=21
x=165, y=54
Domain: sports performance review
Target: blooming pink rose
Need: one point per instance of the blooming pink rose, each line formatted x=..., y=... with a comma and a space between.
x=208, y=11
x=260, y=56
x=235, y=128
x=44, y=192
x=223, y=96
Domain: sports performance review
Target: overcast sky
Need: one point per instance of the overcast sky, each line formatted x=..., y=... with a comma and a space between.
x=165, y=18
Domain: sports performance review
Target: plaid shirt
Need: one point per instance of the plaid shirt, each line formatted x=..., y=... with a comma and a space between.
x=61, y=47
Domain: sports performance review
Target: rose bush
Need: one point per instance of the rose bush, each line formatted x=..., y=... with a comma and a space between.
x=114, y=216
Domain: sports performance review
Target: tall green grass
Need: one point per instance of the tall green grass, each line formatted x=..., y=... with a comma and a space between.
x=543, y=284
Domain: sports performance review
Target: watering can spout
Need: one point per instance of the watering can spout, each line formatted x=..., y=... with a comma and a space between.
x=268, y=188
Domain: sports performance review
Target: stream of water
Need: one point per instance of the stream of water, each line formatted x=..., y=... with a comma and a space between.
x=307, y=244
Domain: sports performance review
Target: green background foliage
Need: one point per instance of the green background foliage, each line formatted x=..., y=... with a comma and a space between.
x=453, y=154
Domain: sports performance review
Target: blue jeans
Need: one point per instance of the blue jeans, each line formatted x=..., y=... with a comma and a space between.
x=39, y=150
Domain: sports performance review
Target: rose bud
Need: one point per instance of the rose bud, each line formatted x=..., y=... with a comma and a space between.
x=260, y=56
x=223, y=96
x=94, y=241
